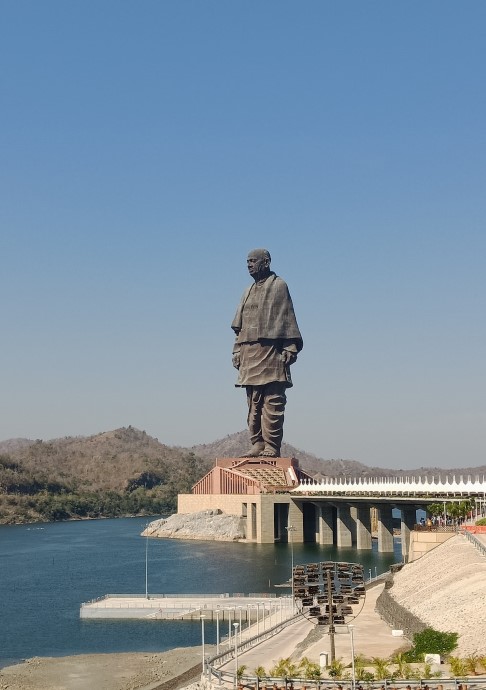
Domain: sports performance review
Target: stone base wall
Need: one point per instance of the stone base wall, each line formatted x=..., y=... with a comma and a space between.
x=397, y=617
x=422, y=542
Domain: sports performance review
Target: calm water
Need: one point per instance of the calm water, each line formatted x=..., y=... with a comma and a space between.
x=47, y=570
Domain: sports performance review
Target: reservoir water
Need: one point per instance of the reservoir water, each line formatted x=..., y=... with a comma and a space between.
x=47, y=570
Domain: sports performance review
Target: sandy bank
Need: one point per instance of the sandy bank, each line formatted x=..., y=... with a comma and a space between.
x=133, y=671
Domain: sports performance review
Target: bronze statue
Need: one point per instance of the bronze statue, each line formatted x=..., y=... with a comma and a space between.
x=267, y=342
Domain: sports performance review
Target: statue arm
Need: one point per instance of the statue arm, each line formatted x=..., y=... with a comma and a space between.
x=236, y=354
x=289, y=351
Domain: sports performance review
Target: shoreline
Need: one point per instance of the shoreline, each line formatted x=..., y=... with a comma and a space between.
x=172, y=669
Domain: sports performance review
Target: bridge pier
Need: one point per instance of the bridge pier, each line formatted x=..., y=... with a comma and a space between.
x=363, y=527
x=407, y=524
x=325, y=524
x=345, y=525
x=385, y=529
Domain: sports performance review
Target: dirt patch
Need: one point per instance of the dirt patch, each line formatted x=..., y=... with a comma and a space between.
x=134, y=671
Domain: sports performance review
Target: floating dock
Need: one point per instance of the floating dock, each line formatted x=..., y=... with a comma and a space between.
x=235, y=608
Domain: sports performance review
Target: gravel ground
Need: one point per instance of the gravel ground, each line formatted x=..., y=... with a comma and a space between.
x=446, y=589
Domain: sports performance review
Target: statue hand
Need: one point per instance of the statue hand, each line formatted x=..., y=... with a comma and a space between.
x=236, y=360
x=289, y=357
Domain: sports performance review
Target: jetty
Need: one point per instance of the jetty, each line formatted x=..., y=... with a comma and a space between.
x=245, y=609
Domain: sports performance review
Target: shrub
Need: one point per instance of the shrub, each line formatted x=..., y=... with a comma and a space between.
x=457, y=666
x=481, y=522
x=430, y=641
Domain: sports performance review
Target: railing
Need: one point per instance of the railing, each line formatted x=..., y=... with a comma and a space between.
x=223, y=658
x=107, y=597
x=394, y=486
x=481, y=547
x=271, y=683
x=436, y=528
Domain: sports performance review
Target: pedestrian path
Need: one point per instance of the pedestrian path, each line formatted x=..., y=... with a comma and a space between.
x=371, y=637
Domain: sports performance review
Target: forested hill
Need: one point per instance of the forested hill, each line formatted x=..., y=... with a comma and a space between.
x=121, y=472
x=127, y=472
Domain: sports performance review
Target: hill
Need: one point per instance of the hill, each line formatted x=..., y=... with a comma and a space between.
x=234, y=445
x=120, y=472
x=128, y=472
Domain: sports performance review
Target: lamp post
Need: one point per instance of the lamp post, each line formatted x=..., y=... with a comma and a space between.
x=240, y=627
x=353, y=677
x=229, y=625
x=146, y=562
x=217, y=630
x=235, y=625
x=202, y=640
x=290, y=529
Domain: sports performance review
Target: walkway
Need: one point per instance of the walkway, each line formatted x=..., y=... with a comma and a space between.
x=372, y=637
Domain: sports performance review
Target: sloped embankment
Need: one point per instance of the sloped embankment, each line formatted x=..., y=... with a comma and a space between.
x=445, y=590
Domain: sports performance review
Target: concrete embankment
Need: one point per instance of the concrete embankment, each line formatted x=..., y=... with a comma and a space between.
x=445, y=590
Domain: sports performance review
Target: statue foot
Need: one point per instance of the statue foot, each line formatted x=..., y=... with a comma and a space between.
x=269, y=453
x=256, y=450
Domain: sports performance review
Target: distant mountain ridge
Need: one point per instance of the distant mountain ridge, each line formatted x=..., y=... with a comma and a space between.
x=133, y=448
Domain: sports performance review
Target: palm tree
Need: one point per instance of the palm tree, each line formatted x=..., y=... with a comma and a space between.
x=260, y=672
x=457, y=666
x=284, y=668
x=309, y=670
x=336, y=669
x=381, y=667
x=403, y=667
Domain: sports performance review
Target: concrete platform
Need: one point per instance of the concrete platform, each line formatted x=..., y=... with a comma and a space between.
x=256, y=610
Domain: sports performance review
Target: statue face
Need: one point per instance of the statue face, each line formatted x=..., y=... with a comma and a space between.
x=258, y=265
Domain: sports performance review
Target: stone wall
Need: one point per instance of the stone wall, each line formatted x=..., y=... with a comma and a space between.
x=398, y=617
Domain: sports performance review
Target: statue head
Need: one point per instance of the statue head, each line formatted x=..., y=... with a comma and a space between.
x=258, y=263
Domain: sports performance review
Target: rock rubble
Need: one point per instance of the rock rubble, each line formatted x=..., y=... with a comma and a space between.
x=207, y=525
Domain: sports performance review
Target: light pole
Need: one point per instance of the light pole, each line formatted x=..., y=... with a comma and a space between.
x=258, y=618
x=217, y=630
x=290, y=529
x=146, y=563
x=241, y=627
x=229, y=626
x=235, y=625
x=351, y=630
x=202, y=639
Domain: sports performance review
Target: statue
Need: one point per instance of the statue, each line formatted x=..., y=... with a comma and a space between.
x=267, y=343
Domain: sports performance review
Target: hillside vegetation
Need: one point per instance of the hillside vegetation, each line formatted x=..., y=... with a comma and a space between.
x=127, y=472
x=121, y=472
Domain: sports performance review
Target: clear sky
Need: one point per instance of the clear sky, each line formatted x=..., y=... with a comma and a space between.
x=147, y=146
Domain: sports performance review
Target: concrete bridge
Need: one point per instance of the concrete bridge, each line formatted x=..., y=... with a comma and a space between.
x=277, y=502
x=341, y=506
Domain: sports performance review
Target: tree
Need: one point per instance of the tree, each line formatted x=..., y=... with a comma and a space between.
x=381, y=667
x=309, y=670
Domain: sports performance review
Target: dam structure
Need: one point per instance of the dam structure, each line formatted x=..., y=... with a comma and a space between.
x=278, y=502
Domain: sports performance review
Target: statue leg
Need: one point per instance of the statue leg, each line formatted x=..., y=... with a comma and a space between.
x=255, y=399
x=272, y=418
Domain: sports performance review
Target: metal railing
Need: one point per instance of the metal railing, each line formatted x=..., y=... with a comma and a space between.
x=481, y=547
x=271, y=683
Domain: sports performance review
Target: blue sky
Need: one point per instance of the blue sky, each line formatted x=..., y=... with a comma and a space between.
x=146, y=147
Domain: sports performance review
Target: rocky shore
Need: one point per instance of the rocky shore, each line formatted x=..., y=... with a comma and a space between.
x=206, y=525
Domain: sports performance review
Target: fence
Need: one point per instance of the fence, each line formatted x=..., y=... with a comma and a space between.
x=481, y=547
